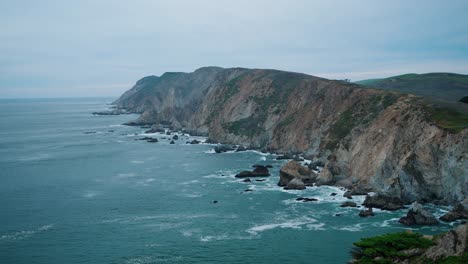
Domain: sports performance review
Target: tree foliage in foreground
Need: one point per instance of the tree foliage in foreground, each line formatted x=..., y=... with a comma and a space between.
x=388, y=247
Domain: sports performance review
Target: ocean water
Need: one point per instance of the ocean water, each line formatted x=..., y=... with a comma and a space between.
x=68, y=196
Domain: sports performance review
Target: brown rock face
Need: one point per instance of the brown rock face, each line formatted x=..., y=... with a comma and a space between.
x=380, y=139
x=453, y=243
x=293, y=170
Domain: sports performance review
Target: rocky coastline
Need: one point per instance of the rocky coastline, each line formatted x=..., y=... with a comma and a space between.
x=299, y=173
x=367, y=139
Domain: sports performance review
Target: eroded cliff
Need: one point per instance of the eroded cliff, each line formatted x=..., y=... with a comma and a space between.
x=380, y=139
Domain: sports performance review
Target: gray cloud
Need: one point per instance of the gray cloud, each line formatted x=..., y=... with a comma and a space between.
x=90, y=48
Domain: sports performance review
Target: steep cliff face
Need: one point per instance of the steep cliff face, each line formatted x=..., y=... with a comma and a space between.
x=381, y=139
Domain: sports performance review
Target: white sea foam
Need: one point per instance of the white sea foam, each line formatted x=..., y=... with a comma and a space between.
x=127, y=175
x=164, y=226
x=218, y=176
x=211, y=238
x=20, y=235
x=318, y=226
x=280, y=223
x=189, y=182
x=126, y=220
x=153, y=260
x=91, y=194
x=190, y=232
x=38, y=157
x=137, y=161
x=352, y=228
x=387, y=222
x=191, y=195
x=223, y=237
x=145, y=182
x=152, y=245
x=260, y=153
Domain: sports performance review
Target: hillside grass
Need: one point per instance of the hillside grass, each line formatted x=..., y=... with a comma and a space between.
x=447, y=86
x=447, y=118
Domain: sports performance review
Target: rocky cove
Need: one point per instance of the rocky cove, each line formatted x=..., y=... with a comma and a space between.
x=383, y=145
x=367, y=140
x=298, y=173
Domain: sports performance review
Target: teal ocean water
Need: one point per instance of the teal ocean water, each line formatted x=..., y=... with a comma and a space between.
x=67, y=196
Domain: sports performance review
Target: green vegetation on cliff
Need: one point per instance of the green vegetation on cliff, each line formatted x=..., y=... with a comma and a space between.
x=386, y=248
x=249, y=126
x=407, y=247
x=447, y=86
x=359, y=114
x=447, y=118
x=444, y=91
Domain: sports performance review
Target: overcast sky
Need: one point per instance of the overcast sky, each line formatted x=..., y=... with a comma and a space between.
x=101, y=48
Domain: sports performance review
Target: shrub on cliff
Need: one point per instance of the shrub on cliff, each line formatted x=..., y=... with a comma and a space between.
x=386, y=248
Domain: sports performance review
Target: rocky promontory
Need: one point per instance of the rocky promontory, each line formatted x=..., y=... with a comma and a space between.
x=367, y=139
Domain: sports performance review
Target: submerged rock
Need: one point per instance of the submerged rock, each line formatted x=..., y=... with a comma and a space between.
x=172, y=142
x=175, y=137
x=417, y=215
x=384, y=202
